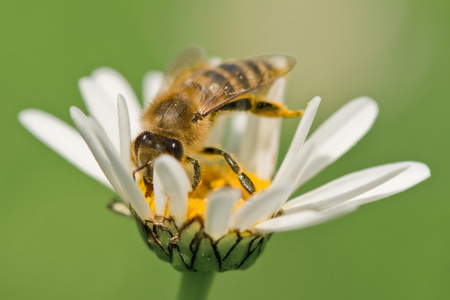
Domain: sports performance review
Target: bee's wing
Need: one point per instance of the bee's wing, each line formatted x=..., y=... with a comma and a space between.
x=242, y=77
x=185, y=63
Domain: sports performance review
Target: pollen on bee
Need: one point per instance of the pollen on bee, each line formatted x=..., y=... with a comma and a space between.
x=214, y=176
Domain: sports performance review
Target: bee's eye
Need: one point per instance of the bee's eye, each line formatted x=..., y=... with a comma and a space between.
x=158, y=144
x=144, y=137
x=176, y=148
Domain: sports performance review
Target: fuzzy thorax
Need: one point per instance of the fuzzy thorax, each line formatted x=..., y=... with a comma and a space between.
x=171, y=115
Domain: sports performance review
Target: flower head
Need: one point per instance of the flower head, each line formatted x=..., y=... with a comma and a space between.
x=218, y=226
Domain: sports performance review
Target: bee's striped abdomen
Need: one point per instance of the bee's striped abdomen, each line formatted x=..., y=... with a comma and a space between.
x=237, y=72
x=222, y=84
x=237, y=76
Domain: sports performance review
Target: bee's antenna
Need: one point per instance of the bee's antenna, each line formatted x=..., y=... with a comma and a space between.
x=148, y=164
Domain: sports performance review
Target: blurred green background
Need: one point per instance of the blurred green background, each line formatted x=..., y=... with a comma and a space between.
x=58, y=240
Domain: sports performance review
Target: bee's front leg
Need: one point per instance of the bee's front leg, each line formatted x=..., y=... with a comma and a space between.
x=243, y=178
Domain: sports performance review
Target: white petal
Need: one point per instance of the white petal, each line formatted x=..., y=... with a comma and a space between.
x=160, y=196
x=238, y=125
x=299, y=138
x=246, y=138
x=64, y=140
x=218, y=211
x=82, y=123
x=276, y=91
x=113, y=83
x=120, y=208
x=216, y=135
x=176, y=186
x=339, y=133
x=110, y=163
x=347, y=187
x=416, y=173
x=131, y=189
x=258, y=208
x=100, y=92
x=124, y=131
x=152, y=84
x=291, y=176
x=303, y=219
x=260, y=142
x=101, y=108
x=268, y=202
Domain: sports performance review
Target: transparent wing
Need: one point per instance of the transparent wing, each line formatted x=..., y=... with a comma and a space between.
x=184, y=64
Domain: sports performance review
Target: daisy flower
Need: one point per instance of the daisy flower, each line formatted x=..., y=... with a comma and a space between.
x=219, y=226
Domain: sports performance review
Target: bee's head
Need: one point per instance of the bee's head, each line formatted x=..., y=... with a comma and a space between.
x=148, y=146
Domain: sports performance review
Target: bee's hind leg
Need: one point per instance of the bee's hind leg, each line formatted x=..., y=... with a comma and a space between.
x=261, y=107
x=197, y=172
x=245, y=181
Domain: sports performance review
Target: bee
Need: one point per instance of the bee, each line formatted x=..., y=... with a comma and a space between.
x=194, y=92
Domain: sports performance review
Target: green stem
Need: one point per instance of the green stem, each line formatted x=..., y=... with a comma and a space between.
x=195, y=285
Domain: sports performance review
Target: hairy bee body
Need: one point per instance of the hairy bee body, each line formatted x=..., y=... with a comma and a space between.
x=177, y=122
x=170, y=114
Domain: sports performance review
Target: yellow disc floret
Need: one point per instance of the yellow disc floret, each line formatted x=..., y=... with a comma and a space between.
x=214, y=176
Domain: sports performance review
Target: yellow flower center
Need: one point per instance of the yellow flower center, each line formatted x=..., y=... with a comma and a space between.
x=215, y=174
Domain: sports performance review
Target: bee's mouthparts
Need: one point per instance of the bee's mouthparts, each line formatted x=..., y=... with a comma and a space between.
x=140, y=168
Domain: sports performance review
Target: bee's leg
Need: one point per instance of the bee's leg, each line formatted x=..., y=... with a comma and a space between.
x=261, y=107
x=197, y=172
x=245, y=181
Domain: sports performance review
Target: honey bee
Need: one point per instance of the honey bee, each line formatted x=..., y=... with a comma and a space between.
x=194, y=92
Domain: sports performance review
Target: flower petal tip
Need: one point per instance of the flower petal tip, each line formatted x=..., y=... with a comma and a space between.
x=104, y=71
x=26, y=116
x=120, y=97
x=76, y=113
x=303, y=219
x=316, y=100
x=367, y=101
x=219, y=207
x=422, y=168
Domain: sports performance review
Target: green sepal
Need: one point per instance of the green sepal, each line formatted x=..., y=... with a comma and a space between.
x=177, y=261
x=237, y=255
x=189, y=248
x=225, y=243
x=206, y=259
x=186, y=239
x=254, y=252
